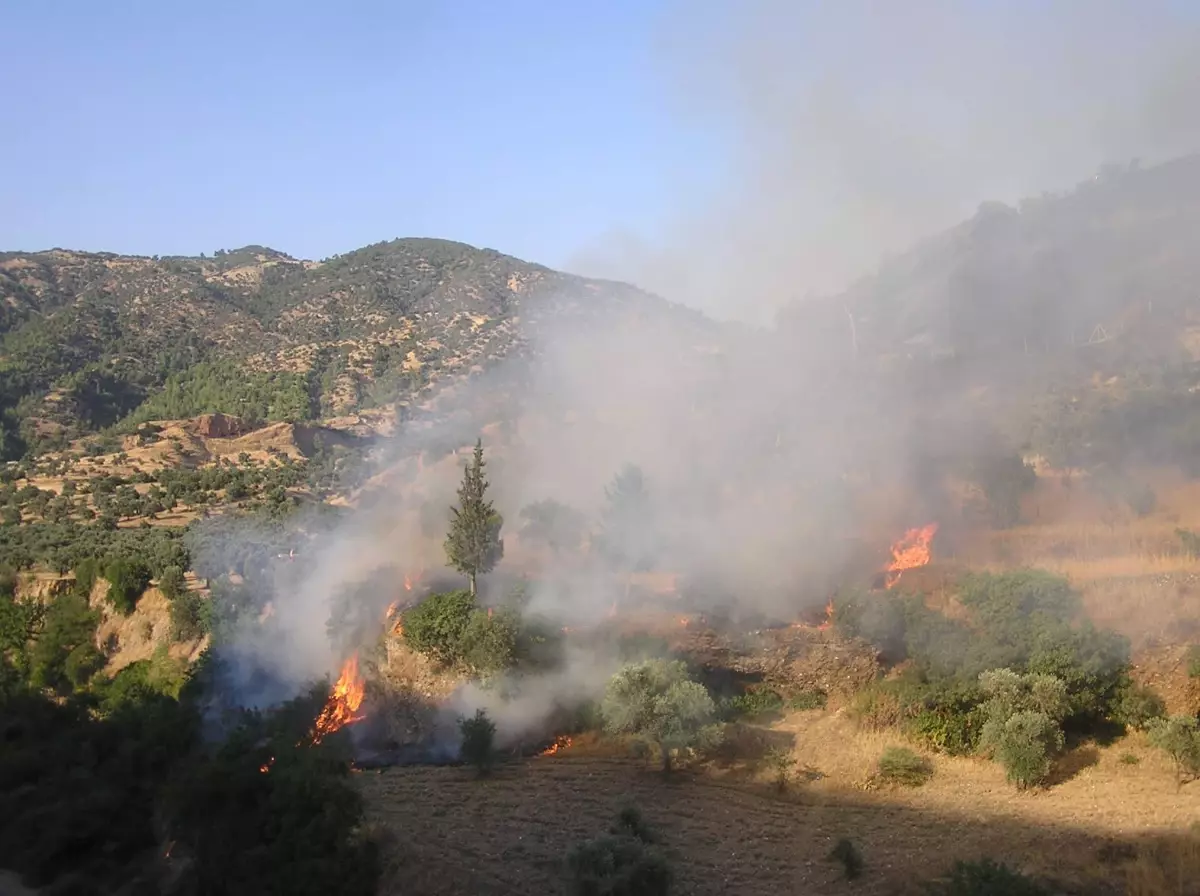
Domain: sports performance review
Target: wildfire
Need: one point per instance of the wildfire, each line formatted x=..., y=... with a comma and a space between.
x=684, y=621
x=266, y=766
x=412, y=580
x=560, y=743
x=825, y=625
x=910, y=552
x=391, y=611
x=342, y=706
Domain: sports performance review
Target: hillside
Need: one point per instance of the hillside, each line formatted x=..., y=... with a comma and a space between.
x=909, y=580
x=89, y=341
x=1112, y=263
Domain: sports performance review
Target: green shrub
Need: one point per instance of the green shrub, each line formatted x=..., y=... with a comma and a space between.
x=900, y=765
x=82, y=663
x=631, y=823
x=846, y=854
x=617, y=866
x=1025, y=746
x=946, y=716
x=127, y=579
x=782, y=765
x=69, y=625
x=806, y=700
x=171, y=582
x=1179, y=738
x=189, y=616
x=489, y=640
x=1192, y=658
x=1129, y=759
x=478, y=738
x=1137, y=706
x=752, y=704
x=435, y=627
x=86, y=574
x=986, y=878
x=656, y=702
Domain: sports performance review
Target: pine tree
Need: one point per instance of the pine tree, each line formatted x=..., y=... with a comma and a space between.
x=473, y=545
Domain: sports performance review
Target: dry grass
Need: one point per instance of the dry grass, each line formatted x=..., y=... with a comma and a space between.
x=1108, y=821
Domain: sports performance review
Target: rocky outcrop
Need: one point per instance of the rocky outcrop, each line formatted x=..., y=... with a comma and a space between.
x=219, y=426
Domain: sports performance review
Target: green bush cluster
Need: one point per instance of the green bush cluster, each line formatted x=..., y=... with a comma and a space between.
x=478, y=737
x=753, y=704
x=625, y=862
x=91, y=787
x=900, y=765
x=1024, y=620
x=1179, y=738
x=986, y=878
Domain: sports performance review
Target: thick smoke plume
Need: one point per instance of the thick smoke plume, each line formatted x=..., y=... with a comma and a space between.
x=849, y=131
x=777, y=466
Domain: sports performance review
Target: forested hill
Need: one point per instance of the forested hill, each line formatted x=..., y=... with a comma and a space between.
x=1115, y=262
x=89, y=341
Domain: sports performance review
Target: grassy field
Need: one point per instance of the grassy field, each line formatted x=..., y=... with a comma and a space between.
x=1104, y=822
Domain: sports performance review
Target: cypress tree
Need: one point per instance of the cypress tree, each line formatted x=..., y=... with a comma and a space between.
x=473, y=545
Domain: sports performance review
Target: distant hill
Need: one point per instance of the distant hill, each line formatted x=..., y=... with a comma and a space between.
x=1114, y=262
x=90, y=341
x=1077, y=316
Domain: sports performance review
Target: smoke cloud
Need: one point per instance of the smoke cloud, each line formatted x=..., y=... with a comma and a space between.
x=852, y=130
x=776, y=467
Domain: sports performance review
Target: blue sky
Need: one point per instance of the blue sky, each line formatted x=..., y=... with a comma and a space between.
x=159, y=128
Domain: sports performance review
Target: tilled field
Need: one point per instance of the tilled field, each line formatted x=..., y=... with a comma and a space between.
x=455, y=834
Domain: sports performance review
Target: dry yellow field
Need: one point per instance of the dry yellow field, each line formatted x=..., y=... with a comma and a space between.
x=1103, y=821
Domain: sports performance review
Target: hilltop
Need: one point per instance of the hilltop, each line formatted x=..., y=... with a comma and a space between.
x=92, y=341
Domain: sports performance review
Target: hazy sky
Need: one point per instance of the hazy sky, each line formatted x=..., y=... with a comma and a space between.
x=734, y=153
x=528, y=126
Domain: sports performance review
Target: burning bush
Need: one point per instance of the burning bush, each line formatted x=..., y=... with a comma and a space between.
x=245, y=811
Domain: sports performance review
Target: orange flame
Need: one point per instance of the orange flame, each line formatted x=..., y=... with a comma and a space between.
x=560, y=743
x=266, y=766
x=824, y=626
x=684, y=621
x=411, y=580
x=391, y=611
x=408, y=583
x=342, y=707
x=910, y=552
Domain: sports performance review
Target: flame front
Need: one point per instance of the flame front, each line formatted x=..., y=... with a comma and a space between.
x=411, y=580
x=560, y=743
x=342, y=706
x=910, y=552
